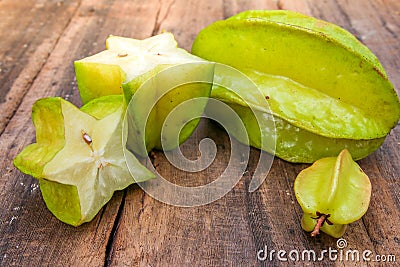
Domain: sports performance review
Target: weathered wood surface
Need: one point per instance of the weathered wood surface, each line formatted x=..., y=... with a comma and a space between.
x=40, y=40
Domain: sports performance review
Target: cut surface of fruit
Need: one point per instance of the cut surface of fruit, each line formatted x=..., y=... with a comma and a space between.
x=132, y=63
x=125, y=60
x=79, y=177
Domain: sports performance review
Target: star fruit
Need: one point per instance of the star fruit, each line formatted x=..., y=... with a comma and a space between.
x=78, y=156
x=325, y=90
x=333, y=192
x=152, y=64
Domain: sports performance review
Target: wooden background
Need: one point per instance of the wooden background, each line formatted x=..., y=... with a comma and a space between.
x=39, y=40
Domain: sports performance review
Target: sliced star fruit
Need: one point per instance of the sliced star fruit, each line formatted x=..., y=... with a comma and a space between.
x=333, y=193
x=325, y=89
x=78, y=156
x=128, y=64
x=166, y=107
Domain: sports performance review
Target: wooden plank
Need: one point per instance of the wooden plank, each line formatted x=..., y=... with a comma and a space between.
x=31, y=236
x=259, y=224
x=181, y=238
x=301, y=6
x=30, y=32
x=376, y=24
x=233, y=7
x=134, y=229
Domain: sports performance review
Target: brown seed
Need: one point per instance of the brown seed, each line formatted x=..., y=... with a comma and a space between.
x=88, y=140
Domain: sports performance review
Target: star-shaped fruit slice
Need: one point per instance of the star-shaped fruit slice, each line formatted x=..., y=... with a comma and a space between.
x=167, y=76
x=79, y=158
x=127, y=59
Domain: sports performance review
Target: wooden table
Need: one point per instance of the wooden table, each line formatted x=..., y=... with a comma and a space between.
x=39, y=40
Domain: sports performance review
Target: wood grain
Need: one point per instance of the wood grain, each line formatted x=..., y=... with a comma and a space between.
x=39, y=42
x=30, y=32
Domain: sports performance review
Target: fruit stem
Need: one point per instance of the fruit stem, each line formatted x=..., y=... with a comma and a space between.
x=320, y=222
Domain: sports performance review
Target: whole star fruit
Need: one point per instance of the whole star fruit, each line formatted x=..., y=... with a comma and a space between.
x=127, y=64
x=78, y=156
x=333, y=193
x=326, y=90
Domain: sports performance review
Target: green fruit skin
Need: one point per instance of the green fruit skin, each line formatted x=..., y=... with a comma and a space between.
x=331, y=61
x=335, y=32
x=294, y=144
x=323, y=64
x=50, y=140
x=96, y=80
x=335, y=230
x=167, y=87
x=61, y=199
x=336, y=187
x=109, y=104
x=49, y=137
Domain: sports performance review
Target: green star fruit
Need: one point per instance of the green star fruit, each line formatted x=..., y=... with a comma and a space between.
x=151, y=64
x=325, y=90
x=78, y=156
x=333, y=193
